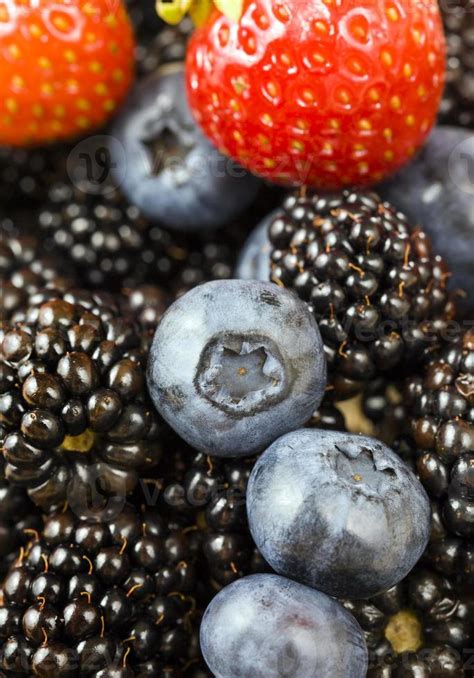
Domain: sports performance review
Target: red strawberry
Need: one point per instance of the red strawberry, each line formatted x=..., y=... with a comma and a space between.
x=64, y=67
x=323, y=92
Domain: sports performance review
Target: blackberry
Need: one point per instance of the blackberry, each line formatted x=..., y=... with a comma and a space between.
x=106, y=239
x=228, y=546
x=376, y=291
x=74, y=402
x=111, y=246
x=441, y=403
x=420, y=627
x=90, y=598
x=17, y=518
x=214, y=490
x=449, y=555
x=457, y=106
x=25, y=269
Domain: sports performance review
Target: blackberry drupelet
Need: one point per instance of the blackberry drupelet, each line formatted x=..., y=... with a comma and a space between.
x=457, y=106
x=146, y=303
x=329, y=417
x=377, y=293
x=25, y=268
x=90, y=598
x=449, y=555
x=217, y=489
x=74, y=402
x=420, y=627
x=17, y=517
x=441, y=406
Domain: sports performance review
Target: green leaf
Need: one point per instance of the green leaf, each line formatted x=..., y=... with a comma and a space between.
x=232, y=9
x=173, y=12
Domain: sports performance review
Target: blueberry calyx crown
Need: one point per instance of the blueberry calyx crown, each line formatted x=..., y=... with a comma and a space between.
x=242, y=375
x=168, y=138
x=358, y=465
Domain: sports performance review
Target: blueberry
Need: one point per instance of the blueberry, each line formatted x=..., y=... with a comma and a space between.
x=267, y=626
x=235, y=364
x=173, y=174
x=254, y=259
x=336, y=511
x=436, y=191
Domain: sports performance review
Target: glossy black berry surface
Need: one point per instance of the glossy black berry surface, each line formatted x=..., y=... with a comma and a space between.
x=17, y=518
x=440, y=402
x=217, y=488
x=109, y=244
x=106, y=239
x=420, y=627
x=378, y=293
x=26, y=267
x=76, y=412
x=85, y=597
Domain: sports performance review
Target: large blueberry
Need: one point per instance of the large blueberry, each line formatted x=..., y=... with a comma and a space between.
x=254, y=260
x=265, y=626
x=336, y=511
x=436, y=191
x=235, y=364
x=173, y=173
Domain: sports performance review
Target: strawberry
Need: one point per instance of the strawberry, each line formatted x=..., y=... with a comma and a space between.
x=64, y=67
x=324, y=92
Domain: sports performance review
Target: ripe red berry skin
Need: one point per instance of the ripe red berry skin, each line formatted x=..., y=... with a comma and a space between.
x=324, y=92
x=64, y=67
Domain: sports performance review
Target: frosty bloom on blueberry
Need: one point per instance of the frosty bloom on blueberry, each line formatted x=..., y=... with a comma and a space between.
x=265, y=626
x=254, y=262
x=235, y=364
x=339, y=512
